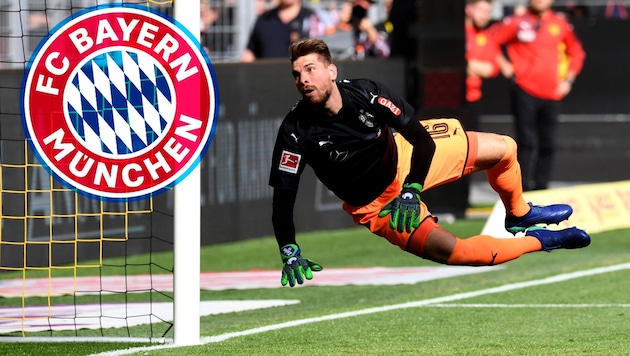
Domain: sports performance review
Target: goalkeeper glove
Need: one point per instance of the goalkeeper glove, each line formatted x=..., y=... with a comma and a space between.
x=404, y=210
x=296, y=268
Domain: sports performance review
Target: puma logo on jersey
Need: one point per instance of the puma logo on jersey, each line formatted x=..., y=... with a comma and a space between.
x=374, y=96
x=325, y=142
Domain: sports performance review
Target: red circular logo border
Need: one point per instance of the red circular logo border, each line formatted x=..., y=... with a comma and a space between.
x=176, y=153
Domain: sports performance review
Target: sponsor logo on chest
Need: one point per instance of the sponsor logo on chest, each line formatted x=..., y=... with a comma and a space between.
x=388, y=104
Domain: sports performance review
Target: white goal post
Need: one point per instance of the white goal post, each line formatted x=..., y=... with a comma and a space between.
x=187, y=226
x=57, y=245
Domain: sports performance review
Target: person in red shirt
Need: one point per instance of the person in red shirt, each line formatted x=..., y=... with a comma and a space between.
x=484, y=58
x=536, y=42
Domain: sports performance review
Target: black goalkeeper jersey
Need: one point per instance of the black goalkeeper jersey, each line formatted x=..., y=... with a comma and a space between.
x=352, y=153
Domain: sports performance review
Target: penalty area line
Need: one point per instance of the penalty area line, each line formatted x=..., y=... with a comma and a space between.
x=420, y=303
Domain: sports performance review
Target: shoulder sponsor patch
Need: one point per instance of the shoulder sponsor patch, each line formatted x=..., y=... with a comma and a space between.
x=388, y=104
x=289, y=162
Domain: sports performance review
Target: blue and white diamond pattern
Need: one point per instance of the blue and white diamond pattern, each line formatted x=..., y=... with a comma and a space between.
x=119, y=102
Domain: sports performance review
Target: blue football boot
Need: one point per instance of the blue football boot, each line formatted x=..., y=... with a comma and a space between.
x=570, y=238
x=550, y=214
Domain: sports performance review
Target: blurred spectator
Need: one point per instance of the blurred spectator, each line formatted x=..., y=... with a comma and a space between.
x=370, y=40
x=37, y=23
x=37, y=28
x=484, y=58
x=577, y=11
x=261, y=6
x=386, y=26
x=214, y=20
x=208, y=17
x=328, y=19
x=616, y=10
x=537, y=42
x=277, y=28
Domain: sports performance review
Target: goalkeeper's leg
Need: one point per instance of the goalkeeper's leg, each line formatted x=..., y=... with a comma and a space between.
x=497, y=155
x=432, y=242
x=484, y=250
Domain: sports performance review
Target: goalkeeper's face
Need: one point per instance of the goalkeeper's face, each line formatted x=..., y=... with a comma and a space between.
x=314, y=78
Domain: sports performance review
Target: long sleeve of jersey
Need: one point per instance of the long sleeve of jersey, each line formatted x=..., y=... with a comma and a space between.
x=423, y=150
x=400, y=115
x=282, y=215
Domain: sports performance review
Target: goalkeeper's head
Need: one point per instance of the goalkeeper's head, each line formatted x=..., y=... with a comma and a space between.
x=308, y=46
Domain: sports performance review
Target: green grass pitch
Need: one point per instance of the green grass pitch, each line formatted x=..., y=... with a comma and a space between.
x=588, y=315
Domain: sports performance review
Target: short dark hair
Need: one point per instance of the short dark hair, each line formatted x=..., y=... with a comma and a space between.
x=308, y=46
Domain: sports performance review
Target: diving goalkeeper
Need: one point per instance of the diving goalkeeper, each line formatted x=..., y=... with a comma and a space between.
x=363, y=143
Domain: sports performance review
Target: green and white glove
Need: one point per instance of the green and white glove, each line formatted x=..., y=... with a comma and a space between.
x=296, y=268
x=404, y=210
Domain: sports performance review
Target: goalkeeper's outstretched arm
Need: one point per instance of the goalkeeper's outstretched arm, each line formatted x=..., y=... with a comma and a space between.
x=282, y=216
x=295, y=268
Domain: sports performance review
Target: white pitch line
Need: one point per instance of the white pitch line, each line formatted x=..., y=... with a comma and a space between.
x=528, y=306
x=420, y=303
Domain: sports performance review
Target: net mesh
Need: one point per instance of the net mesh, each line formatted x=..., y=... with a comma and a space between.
x=70, y=265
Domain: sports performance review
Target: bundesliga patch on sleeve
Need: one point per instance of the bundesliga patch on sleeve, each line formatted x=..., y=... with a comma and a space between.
x=289, y=162
x=119, y=102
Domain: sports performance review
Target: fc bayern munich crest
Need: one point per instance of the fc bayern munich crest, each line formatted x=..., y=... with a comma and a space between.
x=119, y=102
